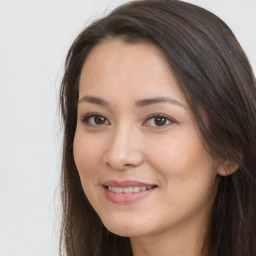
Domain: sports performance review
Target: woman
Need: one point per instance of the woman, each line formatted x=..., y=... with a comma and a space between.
x=159, y=157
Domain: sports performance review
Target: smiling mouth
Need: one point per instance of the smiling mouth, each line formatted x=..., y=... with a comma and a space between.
x=129, y=190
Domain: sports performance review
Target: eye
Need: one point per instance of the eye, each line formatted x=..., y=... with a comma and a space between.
x=158, y=121
x=94, y=120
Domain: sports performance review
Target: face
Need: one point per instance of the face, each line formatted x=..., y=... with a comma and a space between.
x=141, y=160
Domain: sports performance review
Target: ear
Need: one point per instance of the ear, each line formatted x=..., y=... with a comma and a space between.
x=228, y=167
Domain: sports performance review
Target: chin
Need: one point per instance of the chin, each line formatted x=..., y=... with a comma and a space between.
x=126, y=229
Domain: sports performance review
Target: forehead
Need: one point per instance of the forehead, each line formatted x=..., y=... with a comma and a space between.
x=127, y=68
x=115, y=53
x=107, y=47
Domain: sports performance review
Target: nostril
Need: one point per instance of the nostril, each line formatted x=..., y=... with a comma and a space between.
x=123, y=160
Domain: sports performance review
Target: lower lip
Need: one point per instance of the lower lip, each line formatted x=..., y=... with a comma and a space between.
x=122, y=198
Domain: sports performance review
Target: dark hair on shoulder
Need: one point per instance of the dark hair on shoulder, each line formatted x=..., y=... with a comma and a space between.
x=215, y=76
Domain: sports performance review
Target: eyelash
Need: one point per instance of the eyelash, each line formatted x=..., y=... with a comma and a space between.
x=166, y=119
x=87, y=118
x=162, y=116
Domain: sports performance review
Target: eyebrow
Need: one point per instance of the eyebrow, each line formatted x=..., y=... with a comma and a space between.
x=150, y=101
x=139, y=103
x=94, y=100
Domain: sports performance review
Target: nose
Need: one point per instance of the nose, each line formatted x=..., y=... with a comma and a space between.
x=124, y=149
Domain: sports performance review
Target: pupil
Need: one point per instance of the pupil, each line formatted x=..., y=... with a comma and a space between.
x=160, y=121
x=99, y=120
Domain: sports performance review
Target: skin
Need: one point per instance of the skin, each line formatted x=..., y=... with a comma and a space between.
x=127, y=143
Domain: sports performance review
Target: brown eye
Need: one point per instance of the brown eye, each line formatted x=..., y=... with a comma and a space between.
x=99, y=120
x=158, y=121
x=95, y=120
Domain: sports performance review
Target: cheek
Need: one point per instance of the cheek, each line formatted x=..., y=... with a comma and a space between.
x=182, y=160
x=87, y=158
x=86, y=153
x=188, y=179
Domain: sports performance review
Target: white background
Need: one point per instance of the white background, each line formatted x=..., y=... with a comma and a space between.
x=34, y=38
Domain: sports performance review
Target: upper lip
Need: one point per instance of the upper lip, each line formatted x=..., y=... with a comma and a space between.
x=126, y=183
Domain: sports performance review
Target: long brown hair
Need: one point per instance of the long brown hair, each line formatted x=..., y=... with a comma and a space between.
x=218, y=82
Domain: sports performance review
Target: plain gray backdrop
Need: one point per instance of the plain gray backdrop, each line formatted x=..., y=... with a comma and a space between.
x=34, y=38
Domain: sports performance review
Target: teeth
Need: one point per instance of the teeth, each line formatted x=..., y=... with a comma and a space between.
x=128, y=190
x=118, y=190
x=135, y=189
